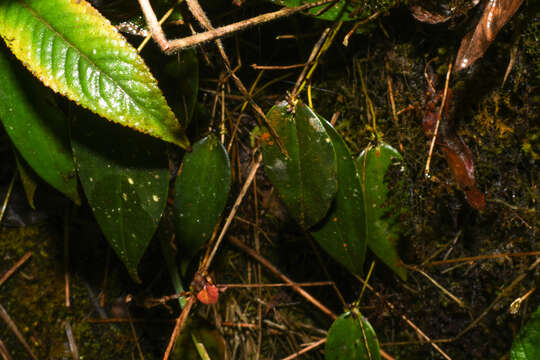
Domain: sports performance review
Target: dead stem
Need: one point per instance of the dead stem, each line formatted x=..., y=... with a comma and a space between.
x=4, y=352
x=71, y=341
x=276, y=67
x=7, y=319
x=409, y=322
x=15, y=267
x=482, y=257
x=178, y=326
x=276, y=272
x=434, y=138
x=8, y=195
x=503, y=293
x=254, y=167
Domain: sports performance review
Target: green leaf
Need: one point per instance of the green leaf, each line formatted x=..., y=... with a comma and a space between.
x=337, y=11
x=125, y=178
x=306, y=179
x=184, y=74
x=37, y=128
x=342, y=234
x=381, y=229
x=527, y=344
x=28, y=179
x=75, y=51
x=351, y=337
x=201, y=192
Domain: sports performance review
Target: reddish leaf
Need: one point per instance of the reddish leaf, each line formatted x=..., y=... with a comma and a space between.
x=475, y=43
x=208, y=295
x=457, y=153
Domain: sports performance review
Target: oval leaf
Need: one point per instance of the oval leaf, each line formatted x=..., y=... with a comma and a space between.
x=306, y=179
x=527, y=345
x=36, y=126
x=75, y=51
x=201, y=192
x=342, y=234
x=351, y=337
x=381, y=229
x=125, y=178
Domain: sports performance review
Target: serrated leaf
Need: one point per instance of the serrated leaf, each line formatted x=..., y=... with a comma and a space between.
x=306, y=179
x=381, y=229
x=125, y=178
x=201, y=192
x=351, y=337
x=75, y=51
x=342, y=233
x=37, y=128
x=527, y=344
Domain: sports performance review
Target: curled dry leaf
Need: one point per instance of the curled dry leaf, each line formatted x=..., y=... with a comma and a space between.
x=457, y=153
x=496, y=13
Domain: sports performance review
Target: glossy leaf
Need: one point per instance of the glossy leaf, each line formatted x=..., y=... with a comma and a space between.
x=495, y=15
x=381, y=228
x=351, y=337
x=343, y=233
x=75, y=51
x=201, y=192
x=125, y=178
x=37, y=128
x=527, y=344
x=306, y=179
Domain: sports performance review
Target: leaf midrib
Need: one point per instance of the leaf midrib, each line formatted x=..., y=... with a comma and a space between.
x=78, y=51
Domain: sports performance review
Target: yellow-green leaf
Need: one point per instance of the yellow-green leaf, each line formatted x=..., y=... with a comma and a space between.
x=75, y=51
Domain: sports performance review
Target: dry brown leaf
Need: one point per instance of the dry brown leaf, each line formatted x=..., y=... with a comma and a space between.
x=473, y=45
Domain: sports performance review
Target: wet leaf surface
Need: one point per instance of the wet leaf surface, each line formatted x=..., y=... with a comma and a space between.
x=125, y=178
x=90, y=63
x=495, y=15
x=306, y=180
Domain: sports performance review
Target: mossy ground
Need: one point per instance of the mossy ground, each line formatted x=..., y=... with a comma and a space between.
x=498, y=122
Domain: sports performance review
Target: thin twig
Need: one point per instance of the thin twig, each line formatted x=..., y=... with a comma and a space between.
x=66, y=257
x=7, y=319
x=409, y=322
x=309, y=61
x=254, y=167
x=276, y=67
x=15, y=267
x=218, y=33
x=71, y=341
x=503, y=293
x=482, y=257
x=443, y=289
x=178, y=326
x=4, y=351
x=278, y=273
x=306, y=349
x=439, y=115
x=8, y=195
